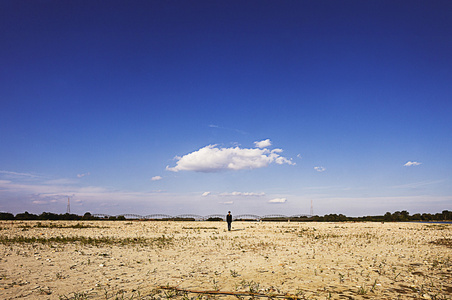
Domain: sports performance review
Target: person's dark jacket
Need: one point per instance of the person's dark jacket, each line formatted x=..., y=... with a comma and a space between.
x=229, y=218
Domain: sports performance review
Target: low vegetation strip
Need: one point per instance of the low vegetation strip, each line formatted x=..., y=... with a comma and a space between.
x=162, y=241
x=60, y=226
x=239, y=294
x=444, y=242
x=199, y=228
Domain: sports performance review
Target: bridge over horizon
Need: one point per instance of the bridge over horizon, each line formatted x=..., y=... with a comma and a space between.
x=201, y=218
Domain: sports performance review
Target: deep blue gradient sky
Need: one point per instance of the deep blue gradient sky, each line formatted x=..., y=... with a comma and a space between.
x=155, y=106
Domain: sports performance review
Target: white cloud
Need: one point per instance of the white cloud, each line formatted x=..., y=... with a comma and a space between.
x=412, y=163
x=245, y=194
x=205, y=194
x=156, y=178
x=214, y=159
x=299, y=156
x=319, y=169
x=263, y=144
x=227, y=202
x=40, y=202
x=83, y=175
x=278, y=200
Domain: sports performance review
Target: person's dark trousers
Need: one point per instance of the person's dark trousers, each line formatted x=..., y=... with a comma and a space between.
x=229, y=226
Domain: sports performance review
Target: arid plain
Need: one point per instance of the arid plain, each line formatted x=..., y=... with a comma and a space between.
x=165, y=259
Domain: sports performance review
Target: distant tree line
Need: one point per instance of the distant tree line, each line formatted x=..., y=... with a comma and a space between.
x=398, y=216
x=53, y=217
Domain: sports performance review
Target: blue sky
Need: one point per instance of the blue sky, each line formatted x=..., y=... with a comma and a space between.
x=207, y=106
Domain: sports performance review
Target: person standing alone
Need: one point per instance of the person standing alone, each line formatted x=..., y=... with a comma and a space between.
x=229, y=220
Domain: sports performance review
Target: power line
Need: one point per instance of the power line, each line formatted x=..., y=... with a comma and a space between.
x=68, y=209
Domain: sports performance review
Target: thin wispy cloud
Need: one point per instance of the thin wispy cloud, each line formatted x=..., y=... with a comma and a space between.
x=214, y=159
x=412, y=164
x=326, y=187
x=320, y=169
x=60, y=189
x=243, y=194
x=42, y=188
x=156, y=178
x=61, y=181
x=83, y=175
x=227, y=202
x=205, y=194
x=226, y=128
x=278, y=200
x=40, y=202
x=419, y=184
x=17, y=174
x=45, y=201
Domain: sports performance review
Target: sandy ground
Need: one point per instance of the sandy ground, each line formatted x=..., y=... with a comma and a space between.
x=306, y=260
